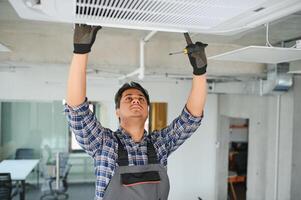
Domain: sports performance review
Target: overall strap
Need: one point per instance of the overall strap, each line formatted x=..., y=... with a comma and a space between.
x=151, y=152
x=123, y=159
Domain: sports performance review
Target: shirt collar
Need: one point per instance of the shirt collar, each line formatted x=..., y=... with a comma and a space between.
x=127, y=137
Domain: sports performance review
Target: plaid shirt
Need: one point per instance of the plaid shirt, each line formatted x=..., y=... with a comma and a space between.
x=101, y=143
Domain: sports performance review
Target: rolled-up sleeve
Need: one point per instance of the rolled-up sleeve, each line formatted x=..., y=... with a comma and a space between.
x=178, y=130
x=88, y=131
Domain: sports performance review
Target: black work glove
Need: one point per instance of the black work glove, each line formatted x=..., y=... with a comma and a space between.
x=197, y=57
x=84, y=37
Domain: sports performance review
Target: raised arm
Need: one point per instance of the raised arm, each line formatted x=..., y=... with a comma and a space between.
x=197, y=97
x=190, y=119
x=82, y=122
x=83, y=39
x=197, y=57
x=76, y=91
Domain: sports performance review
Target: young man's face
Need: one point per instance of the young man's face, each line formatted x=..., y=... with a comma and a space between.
x=133, y=104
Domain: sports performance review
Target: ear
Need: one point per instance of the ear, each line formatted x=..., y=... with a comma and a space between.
x=117, y=112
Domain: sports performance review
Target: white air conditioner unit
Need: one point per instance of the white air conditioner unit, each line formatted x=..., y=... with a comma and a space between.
x=199, y=16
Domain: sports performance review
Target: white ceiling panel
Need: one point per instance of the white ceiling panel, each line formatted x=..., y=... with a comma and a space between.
x=4, y=48
x=260, y=54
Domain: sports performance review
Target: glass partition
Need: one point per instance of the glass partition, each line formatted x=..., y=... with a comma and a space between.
x=32, y=125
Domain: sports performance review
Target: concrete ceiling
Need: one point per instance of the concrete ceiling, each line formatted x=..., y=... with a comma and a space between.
x=116, y=51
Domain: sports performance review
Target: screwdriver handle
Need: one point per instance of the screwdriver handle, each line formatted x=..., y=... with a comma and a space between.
x=188, y=39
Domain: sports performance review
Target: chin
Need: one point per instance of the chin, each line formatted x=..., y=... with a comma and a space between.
x=140, y=116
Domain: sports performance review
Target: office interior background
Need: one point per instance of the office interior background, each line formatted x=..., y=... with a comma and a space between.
x=246, y=148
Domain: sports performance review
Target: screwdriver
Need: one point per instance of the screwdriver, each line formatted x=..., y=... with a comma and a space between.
x=187, y=50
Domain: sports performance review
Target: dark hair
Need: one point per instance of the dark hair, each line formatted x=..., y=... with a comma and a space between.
x=131, y=85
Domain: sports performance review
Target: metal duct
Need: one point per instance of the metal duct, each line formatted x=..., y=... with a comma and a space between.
x=278, y=80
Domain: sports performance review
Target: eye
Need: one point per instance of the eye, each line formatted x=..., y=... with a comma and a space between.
x=141, y=99
x=128, y=99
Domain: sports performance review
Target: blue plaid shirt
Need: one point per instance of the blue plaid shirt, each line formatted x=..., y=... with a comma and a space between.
x=101, y=143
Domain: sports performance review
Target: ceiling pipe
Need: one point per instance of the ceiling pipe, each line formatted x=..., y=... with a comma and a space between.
x=141, y=69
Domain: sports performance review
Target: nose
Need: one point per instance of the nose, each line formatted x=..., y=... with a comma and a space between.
x=135, y=101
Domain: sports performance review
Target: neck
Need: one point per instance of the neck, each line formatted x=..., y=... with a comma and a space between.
x=134, y=128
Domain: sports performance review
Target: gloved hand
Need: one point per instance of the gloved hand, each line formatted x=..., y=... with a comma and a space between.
x=197, y=57
x=84, y=37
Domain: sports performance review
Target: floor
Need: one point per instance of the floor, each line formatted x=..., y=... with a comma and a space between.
x=75, y=191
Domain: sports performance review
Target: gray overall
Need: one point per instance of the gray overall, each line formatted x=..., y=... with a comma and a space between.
x=140, y=182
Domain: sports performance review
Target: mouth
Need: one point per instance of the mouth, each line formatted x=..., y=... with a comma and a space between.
x=136, y=107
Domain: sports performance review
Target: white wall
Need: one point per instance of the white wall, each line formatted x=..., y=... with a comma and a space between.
x=192, y=166
x=0, y=131
x=285, y=146
x=262, y=168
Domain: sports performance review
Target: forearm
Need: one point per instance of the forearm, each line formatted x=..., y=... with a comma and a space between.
x=76, y=89
x=197, y=97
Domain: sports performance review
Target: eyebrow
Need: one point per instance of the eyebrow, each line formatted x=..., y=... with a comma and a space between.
x=134, y=94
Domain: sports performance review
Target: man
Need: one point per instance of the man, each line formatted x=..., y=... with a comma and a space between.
x=129, y=163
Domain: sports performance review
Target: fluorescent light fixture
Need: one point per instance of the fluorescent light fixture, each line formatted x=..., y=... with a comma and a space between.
x=4, y=48
x=260, y=54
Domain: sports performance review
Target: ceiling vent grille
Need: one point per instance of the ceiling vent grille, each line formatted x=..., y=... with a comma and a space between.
x=171, y=13
x=199, y=16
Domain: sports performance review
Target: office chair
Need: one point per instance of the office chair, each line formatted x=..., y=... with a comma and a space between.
x=49, y=189
x=7, y=192
x=241, y=162
x=24, y=153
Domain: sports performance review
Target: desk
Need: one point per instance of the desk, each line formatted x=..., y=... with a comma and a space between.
x=19, y=170
x=234, y=178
